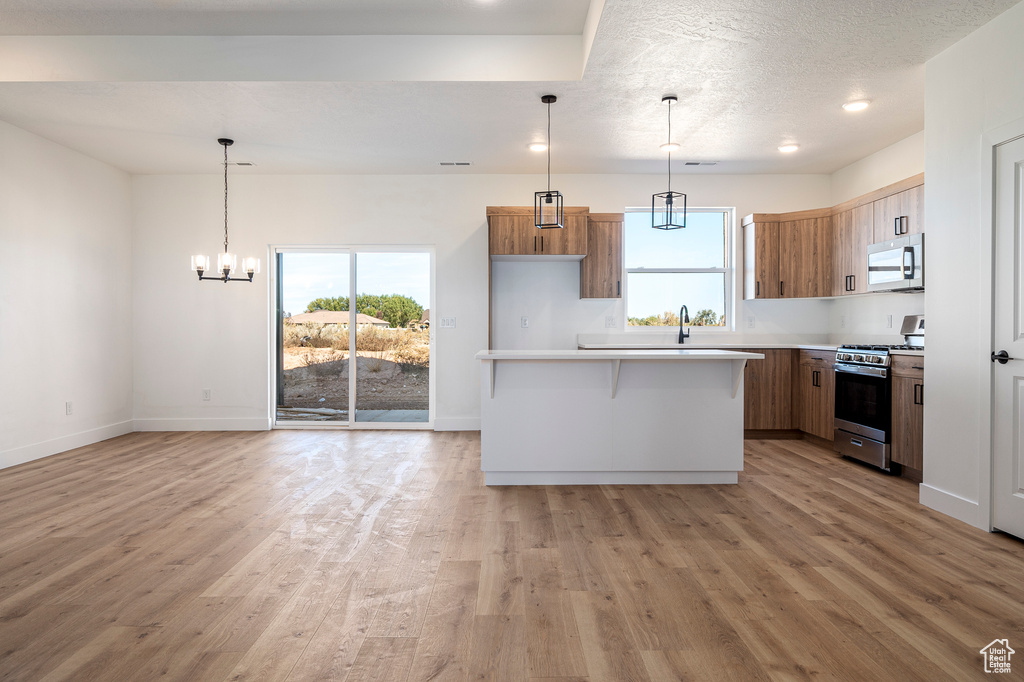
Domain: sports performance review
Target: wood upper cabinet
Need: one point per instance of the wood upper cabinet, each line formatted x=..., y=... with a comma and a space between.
x=815, y=393
x=805, y=258
x=767, y=390
x=899, y=214
x=761, y=260
x=908, y=411
x=853, y=231
x=512, y=233
x=601, y=269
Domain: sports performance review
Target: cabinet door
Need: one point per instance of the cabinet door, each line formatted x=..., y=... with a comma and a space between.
x=601, y=269
x=767, y=389
x=852, y=231
x=506, y=236
x=570, y=240
x=761, y=259
x=815, y=397
x=805, y=258
x=908, y=421
x=908, y=206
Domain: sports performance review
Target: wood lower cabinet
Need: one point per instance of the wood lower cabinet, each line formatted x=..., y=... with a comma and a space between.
x=601, y=269
x=513, y=233
x=815, y=393
x=908, y=411
x=767, y=390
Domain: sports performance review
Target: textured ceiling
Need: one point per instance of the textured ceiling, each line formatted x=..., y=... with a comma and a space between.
x=292, y=17
x=749, y=76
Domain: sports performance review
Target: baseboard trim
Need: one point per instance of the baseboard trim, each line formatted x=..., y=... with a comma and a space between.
x=464, y=424
x=772, y=434
x=202, y=424
x=951, y=504
x=55, y=446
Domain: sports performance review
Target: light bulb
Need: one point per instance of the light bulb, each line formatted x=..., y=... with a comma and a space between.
x=857, y=105
x=789, y=148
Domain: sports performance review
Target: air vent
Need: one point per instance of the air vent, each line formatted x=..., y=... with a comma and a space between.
x=455, y=163
x=242, y=163
x=701, y=163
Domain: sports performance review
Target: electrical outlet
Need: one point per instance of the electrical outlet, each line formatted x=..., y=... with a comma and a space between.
x=69, y=408
x=750, y=321
x=524, y=322
x=609, y=322
x=842, y=321
x=451, y=323
x=207, y=394
x=888, y=321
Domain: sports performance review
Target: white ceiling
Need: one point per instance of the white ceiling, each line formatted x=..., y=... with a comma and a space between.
x=749, y=76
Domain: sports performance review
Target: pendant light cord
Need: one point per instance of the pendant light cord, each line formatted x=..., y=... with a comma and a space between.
x=225, y=198
x=670, y=142
x=549, y=147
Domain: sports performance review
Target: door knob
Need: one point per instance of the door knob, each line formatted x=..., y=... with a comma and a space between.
x=1002, y=357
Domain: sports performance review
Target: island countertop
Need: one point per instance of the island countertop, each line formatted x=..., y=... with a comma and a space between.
x=618, y=354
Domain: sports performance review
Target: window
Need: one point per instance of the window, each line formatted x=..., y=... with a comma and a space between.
x=666, y=269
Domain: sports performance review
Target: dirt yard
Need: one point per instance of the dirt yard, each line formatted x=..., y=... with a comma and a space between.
x=318, y=378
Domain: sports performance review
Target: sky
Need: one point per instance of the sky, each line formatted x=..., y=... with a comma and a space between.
x=701, y=244
x=307, y=276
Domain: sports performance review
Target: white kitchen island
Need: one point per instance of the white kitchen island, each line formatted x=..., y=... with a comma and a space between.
x=611, y=416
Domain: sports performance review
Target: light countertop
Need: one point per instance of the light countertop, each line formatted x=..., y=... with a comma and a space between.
x=618, y=353
x=590, y=347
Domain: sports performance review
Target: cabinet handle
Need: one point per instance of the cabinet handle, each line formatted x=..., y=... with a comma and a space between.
x=896, y=227
x=853, y=282
x=757, y=288
x=919, y=394
x=916, y=367
x=618, y=287
x=814, y=378
x=782, y=288
x=542, y=243
x=904, y=224
x=535, y=243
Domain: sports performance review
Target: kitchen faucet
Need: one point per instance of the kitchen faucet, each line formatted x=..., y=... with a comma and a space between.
x=684, y=316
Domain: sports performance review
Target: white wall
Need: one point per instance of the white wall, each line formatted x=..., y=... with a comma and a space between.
x=971, y=89
x=548, y=293
x=886, y=166
x=65, y=298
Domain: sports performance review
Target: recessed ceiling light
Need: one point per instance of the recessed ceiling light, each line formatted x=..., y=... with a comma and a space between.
x=538, y=147
x=670, y=147
x=857, y=105
x=789, y=148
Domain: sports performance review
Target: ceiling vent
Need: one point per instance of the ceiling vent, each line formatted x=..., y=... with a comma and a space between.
x=701, y=163
x=242, y=163
x=456, y=163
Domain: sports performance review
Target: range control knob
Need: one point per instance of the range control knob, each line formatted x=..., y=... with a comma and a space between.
x=858, y=358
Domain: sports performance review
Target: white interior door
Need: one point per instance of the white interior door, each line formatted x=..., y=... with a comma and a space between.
x=1008, y=380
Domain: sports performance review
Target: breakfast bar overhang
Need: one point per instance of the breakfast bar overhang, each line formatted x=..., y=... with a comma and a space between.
x=580, y=417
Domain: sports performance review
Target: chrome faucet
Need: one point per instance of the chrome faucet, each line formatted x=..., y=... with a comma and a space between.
x=684, y=317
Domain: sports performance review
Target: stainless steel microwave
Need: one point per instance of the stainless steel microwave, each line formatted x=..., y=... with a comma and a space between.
x=897, y=264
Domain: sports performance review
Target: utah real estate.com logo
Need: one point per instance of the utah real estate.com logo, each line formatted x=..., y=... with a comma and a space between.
x=997, y=656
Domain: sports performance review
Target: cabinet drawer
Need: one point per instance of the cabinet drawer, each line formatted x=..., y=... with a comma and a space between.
x=817, y=357
x=908, y=366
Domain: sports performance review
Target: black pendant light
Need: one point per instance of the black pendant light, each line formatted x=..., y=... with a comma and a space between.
x=547, y=205
x=668, y=209
x=227, y=262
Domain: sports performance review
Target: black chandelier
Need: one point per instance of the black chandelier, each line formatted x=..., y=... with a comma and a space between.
x=666, y=205
x=227, y=262
x=547, y=205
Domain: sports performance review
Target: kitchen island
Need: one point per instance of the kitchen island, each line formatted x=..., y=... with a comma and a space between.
x=567, y=417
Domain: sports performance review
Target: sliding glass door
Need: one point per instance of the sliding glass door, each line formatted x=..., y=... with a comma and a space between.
x=360, y=360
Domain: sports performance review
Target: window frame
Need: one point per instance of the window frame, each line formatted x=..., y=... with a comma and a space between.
x=729, y=271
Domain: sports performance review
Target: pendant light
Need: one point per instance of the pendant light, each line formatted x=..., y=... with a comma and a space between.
x=227, y=262
x=666, y=213
x=547, y=205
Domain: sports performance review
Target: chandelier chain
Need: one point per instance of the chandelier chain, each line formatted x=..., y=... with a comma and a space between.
x=670, y=142
x=549, y=146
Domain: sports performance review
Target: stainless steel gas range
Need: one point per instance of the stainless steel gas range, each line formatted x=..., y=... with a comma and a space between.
x=863, y=419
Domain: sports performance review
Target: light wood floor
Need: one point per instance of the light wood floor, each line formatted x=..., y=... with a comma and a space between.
x=381, y=556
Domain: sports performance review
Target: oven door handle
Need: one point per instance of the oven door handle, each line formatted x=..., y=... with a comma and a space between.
x=879, y=372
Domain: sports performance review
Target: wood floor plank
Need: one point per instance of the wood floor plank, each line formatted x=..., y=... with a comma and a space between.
x=380, y=555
